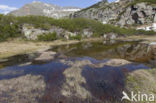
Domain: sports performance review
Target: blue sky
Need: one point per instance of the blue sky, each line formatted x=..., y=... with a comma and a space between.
x=9, y=5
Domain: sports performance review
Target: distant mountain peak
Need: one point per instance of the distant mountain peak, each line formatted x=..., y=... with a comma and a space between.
x=44, y=9
x=37, y=2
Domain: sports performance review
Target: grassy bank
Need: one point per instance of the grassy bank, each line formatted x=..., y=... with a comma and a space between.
x=143, y=81
x=13, y=47
x=10, y=26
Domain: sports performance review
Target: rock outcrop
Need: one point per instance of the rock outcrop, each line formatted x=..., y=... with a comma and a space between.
x=32, y=33
x=110, y=36
x=46, y=56
x=122, y=13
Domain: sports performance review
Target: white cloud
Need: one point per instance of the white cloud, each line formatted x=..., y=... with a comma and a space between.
x=6, y=9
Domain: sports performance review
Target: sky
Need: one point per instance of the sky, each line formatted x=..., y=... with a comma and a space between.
x=10, y=5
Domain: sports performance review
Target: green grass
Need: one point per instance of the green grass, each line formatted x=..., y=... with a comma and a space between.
x=10, y=26
x=143, y=81
x=148, y=1
x=48, y=37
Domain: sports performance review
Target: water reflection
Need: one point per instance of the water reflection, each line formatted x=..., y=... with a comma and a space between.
x=102, y=50
x=86, y=69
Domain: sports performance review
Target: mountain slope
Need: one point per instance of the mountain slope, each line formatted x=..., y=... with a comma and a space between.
x=121, y=12
x=44, y=9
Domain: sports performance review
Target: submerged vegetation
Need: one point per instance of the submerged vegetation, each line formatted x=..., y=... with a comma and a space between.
x=10, y=26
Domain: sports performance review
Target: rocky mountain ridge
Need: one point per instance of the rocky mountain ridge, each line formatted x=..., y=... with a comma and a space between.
x=121, y=12
x=44, y=9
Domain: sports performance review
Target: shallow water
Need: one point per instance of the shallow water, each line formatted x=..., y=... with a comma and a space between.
x=105, y=50
x=103, y=83
x=98, y=50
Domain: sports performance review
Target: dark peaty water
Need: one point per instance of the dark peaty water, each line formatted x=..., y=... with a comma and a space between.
x=103, y=84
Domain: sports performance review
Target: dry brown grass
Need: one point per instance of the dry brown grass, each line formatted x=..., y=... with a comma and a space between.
x=142, y=80
x=140, y=37
x=18, y=46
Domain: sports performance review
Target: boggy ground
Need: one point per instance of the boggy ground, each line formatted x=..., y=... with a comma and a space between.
x=75, y=80
x=66, y=81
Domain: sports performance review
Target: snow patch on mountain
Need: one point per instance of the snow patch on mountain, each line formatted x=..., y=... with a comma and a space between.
x=117, y=1
x=71, y=9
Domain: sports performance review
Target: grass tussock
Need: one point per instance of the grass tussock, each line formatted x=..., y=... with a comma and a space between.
x=142, y=80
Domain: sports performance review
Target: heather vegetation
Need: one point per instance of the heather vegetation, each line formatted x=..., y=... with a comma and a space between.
x=10, y=27
x=48, y=37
